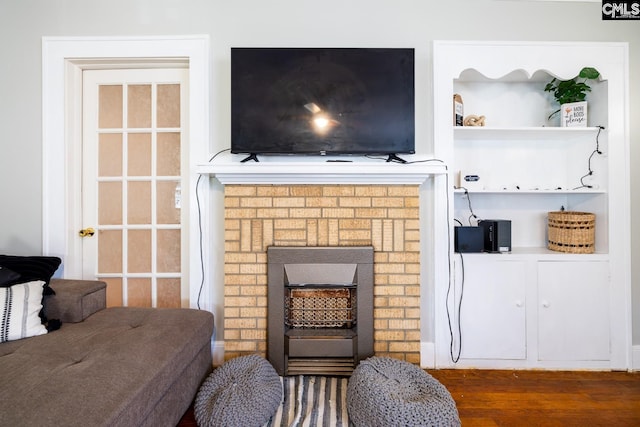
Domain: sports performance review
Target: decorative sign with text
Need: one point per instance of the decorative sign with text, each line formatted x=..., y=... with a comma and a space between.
x=574, y=114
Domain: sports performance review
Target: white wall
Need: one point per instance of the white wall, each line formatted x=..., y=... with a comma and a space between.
x=353, y=23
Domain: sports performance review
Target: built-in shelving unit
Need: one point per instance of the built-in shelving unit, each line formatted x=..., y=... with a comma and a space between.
x=534, y=307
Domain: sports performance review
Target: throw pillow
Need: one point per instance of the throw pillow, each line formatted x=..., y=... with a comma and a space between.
x=32, y=268
x=19, y=308
x=7, y=276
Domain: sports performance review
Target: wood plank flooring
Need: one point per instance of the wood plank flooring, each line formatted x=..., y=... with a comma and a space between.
x=487, y=398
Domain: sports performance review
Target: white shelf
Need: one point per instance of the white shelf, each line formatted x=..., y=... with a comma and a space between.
x=534, y=192
x=485, y=132
x=540, y=254
x=320, y=170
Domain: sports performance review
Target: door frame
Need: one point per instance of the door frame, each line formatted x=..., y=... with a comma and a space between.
x=63, y=60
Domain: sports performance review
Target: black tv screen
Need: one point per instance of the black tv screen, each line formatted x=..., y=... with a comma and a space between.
x=322, y=101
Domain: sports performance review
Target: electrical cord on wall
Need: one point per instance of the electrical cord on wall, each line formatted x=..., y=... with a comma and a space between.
x=202, y=270
x=590, y=171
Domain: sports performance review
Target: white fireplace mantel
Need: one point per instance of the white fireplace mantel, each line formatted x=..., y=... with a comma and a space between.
x=229, y=169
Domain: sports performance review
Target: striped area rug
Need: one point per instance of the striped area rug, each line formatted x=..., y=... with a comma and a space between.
x=312, y=401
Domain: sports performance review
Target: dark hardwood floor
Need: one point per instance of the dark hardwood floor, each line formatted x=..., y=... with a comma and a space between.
x=537, y=398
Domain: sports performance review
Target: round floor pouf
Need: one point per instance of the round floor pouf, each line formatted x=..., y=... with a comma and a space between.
x=385, y=392
x=243, y=392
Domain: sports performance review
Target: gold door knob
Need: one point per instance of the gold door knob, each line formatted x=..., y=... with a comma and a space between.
x=87, y=232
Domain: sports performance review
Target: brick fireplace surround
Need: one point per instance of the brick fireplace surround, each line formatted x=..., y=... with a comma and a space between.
x=314, y=203
x=383, y=216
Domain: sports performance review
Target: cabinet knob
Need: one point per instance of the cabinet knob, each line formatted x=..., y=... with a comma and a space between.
x=545, y=304
x=519, y=303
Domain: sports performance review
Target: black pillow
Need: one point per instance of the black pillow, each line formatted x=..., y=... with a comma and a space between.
x=31, y=268
x=7, y=277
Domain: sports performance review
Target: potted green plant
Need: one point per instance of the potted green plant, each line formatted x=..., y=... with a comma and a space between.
x=574, y=92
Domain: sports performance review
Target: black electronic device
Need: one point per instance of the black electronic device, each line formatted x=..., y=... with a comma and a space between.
x=497, y=234
x=468, y=239
x=322, y=101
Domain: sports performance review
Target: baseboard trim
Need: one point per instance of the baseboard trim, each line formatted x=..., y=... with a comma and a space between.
x=635, y=358
x=217, y=351
x=427, y=355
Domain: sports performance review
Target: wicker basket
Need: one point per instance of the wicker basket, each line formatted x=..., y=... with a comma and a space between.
x=572, y=232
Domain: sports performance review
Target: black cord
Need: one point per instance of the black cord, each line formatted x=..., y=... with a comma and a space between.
x=473, y=215
x=456, y=358
x=590, y=171
x=200, y=229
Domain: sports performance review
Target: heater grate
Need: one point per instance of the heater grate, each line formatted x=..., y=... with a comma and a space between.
x=320, y=308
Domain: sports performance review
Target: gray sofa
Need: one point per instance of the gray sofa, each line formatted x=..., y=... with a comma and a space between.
x=119, y=366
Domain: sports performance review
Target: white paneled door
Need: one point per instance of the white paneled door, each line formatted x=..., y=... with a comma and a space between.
x=133, y=184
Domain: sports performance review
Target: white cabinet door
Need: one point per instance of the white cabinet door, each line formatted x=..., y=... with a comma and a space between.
x=492, y=314
x=573, y=311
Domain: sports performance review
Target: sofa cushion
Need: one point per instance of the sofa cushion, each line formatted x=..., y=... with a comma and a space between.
x=19, y=308
x=31, y=268
x=7, y=276
x=111, y=369
x=75, y=300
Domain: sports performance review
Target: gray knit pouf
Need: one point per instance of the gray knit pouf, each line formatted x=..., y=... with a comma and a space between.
x=243, y=392
x=385, y=392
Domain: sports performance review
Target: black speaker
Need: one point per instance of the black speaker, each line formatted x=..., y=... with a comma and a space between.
x=497, y=234
x=468, y=239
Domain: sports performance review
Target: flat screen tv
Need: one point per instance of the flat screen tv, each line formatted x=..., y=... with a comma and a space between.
x=322, y=101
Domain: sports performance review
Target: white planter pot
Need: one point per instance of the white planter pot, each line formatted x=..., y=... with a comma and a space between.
x=573, y=114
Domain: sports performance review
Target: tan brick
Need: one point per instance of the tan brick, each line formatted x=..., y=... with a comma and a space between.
x=272, y=191
x=240, y=213
x=231, y=202
x=232, y=334
x=388, y=290
x=333, y=229
x=240, y=301
x=380, y=301
x=231, y=290
x=255, y=312
x=379, y=347
x=253, y=268
x=388, y=313
x=272, y=213
x=340, y=190
x=387, y=202
x=233, y=346
x=231, y=224
x=376, y=235
x=413, y=357
x=239, y=190
x=380, y=324
x=371, y=213
x=253, y=334
x=404, y=301
x=404, y=346
x=404, y=279
x=371, y=190
x=289, y=202
x=256, y=202
x=267, y=234
x=404, y=324
x=388, y=335
x=403, y=212
x=404, y=257
x=232, y=235
x=352, y=202
x=355, y=235
x=235, y=323
x=337, y=213
x=387, y=235
x=411, y=202
x=231, y=312
x=231, y=268
x=306, y=190
x=412, y=246
x=290, y=234
x=398, y=235
x=290, y=223
x=321, y=202
x=384, y=268
x=305, y=212
x=253, y=290
x=412, y=290
x=412, y=224
x=411, y=235
x=404, y=190
x=240, y=279
x=412, y=335
x=312, y=232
